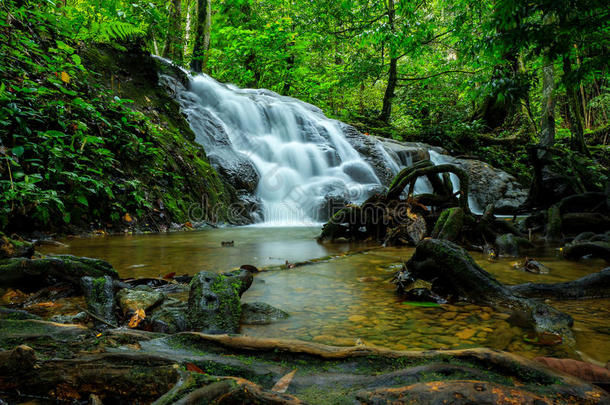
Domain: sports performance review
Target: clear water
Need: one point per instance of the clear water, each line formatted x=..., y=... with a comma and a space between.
x=349, y=298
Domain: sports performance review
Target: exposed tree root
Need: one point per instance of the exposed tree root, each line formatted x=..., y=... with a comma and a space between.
x=596, y=285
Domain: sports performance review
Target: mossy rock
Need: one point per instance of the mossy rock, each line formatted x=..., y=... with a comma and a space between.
x=214, y=305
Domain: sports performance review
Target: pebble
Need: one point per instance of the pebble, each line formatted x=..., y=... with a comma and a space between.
x=465, y=334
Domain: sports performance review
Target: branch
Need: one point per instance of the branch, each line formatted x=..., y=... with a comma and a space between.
x=413, y=79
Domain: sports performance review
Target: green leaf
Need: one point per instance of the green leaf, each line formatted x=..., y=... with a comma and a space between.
x=422, y=304
x=18, y=151
x=83, y=200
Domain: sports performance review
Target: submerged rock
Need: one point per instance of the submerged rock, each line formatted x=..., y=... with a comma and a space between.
x=260, y=313
x=213, y=305
x=81, y=317
x=99, y=295
x=169, y=317
x=511, y=245
x=131, y=300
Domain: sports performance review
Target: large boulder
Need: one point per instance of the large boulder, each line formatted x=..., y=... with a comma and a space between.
x=488, y=185
x=27, y=273
x=214, y=301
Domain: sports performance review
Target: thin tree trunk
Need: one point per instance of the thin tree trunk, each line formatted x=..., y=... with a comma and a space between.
x=202, y=38
x=574, y=109
x=187, y=29
x=386, y=109
x=173, y=43
x=547, y=123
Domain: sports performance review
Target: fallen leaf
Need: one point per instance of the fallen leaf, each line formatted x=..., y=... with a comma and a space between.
x=194, y=369
x=127, y=218
x=65, y=77
x=188, y=225
x=282, y=385
x=169, y=276
x=98, y=335
x=138, y=317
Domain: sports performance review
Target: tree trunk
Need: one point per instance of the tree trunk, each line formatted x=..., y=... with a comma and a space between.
x=574, y=107
x=202, y=38
x=386, y=109
x=173, y=42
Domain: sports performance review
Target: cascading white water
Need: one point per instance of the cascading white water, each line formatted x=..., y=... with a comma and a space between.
x=301, y=156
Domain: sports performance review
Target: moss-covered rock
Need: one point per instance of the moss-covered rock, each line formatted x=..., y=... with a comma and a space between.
x=132, y=300
x=214, y=305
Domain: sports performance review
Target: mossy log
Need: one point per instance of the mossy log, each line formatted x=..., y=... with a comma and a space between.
x=409, y=176
x=32, y=273
x=139, y=377
x=597, y=249
x=596, y=285
x=455, y=275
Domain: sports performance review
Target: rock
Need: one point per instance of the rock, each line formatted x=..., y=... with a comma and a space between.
x=328, y=206
x=81, y=317
x=511, y=245
x=372, y=151
x=131, y=300
x=33, y=273
x=99, y=295
x=534, y=266
x=213, y=305
x=422, y=295
x=15, y=248
x=489, y=185
x=259, y=313
x=169, y=317
x=579, y=250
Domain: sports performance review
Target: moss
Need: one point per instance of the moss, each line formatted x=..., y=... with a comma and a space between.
x=449, y=224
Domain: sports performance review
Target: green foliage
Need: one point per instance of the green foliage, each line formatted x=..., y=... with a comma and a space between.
x=72, y=152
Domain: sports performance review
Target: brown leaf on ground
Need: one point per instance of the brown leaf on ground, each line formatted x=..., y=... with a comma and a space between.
x=194, y=369
x=138, y=317
x=282, y=385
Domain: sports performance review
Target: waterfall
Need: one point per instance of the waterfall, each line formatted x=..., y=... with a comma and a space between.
x=302, y=158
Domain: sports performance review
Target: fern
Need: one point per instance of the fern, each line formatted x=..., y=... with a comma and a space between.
x=110, y=30
x=118, y=30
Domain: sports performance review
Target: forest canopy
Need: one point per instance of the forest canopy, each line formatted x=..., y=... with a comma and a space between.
x=482, y=78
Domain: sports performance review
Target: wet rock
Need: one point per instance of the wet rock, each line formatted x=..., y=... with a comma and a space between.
x=328, y=206
x=511, y=245
x=132, y=300
x=260, y=313
x=170, y=317
x=81, y=317
x=579, y=250
x=33, y=273
x=213, y=305
x=15, y=248
x=17, y=314
x=489, y=185
x=534, y=266
x=422, y=295
x=99, y=295
x=372, y=151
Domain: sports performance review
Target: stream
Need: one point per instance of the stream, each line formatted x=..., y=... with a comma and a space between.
x=348, y=298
